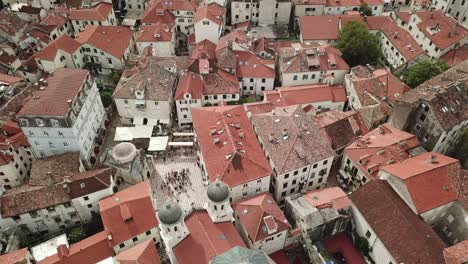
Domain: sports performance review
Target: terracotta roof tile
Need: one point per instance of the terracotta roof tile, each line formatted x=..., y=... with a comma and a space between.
x=430, y=184
x=64, y=85
x=53, y=19
x=379, y=147
x=89, y=250
x=393, y=222
x=156, y=13
x=306, y=94
x=212, y=11
x=456, y=254
x=456, y=56
x=249, y=65
x=259, y=213
x=449, y=31
x=111, y=39
x=237, y=158
x=17, y=256
x=192, y=84
x=304, y=144
x=63, y=43
x=100, y=12
x=332, y=197
x=206, y=239
x=143, y=253
x=128, y=213
x=155, y=33
x=325, y=27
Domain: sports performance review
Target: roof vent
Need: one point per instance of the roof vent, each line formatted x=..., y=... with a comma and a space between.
x=432, y=159
x=241, y=134
x=216, y=140
x=271, y=137
x=285, y=133
x=212, y=130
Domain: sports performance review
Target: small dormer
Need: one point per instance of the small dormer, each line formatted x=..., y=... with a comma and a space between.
x=139, y=94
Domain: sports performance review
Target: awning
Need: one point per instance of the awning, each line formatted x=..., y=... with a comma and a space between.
x=181, y=144
x=183, y=134
x=130, y=133
x=158, y=143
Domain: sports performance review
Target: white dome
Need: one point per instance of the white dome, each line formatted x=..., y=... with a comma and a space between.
x=124, y=152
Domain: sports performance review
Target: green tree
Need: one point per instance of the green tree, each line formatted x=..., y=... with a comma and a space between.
x=115, y=76
x=106, y=98
x=424, y=71
x=365, y=10
x=358, y=45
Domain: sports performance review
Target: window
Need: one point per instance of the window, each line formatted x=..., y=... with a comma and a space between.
x=295, y=173
x=109, y=60
x=206, y=22
x=450, y=218
x=258, y=181
x=292, y=190
x=125, y=101
x=305, y=77
x=33, y=214
x=294, y=181
x=90, y=206
x=325, y=162
x=283, y=194
x=314, y=166
x=368, y=234
x=295, y=77
x=51, y=209
x=286, y=176
x=67, y=205
x=135, y=239
x=122, y=245
x=304, y=169
x=245, y=185
x=148, y=233
x=86, y=198
x=285, y=185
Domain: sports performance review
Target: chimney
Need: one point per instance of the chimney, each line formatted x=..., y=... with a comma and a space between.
x=241, y=134
x=339, y=23
x=432, y=159
x=212, y=130
x=62, y=251
x=271, y=137
x=285, y=133
x=216, y=140
x=381, y=130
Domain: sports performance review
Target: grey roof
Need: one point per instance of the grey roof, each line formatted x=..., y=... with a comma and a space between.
x=242, y=255
x=170, y=213
x=217, y=191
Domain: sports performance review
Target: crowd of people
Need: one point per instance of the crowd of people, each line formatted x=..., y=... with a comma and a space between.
x=176, y=182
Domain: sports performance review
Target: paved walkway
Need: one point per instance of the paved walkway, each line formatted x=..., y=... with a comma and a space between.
x=189, y=190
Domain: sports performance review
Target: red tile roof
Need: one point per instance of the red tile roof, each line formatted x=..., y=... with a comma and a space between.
x=204, y=49
x=155, y=33
x=249, y=65
x=379, y=85
x=143, y=253
x=17, y=256
x=89, y=250
x=236, y=159
x=259, y=107
x=213, y=12
x=298, y=149
x=332, y=197
x=192, y=84
x=306, y=94
x=405, y=16
x=64, y=43
x=99, y=12
x=156, y=13
x=332, y=3
x=400, y=38
x=457, y=254
x=46, y=189
x=380, y=147
x=206, y=239
x=62, y=86
x=456, y=56
x=128, y=213
x=236, y=36
x=111, y=39
x=220, y=82
x=53, y=19
x=430, y=184
x=325, y=27
x=393, y=222
x=297, y=61
x=181, y=5
x=9, y=79
x=259, y=213
x=449, y=33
